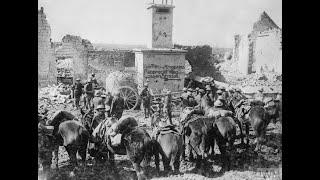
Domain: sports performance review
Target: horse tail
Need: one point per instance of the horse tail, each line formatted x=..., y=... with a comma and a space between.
x=150, y=149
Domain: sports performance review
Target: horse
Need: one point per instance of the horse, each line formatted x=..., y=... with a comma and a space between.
x=70, y=133
x=224, y=128
x=225, y=133
x=130, y=140
x=171, y=142
x=198, y=134
x=213, y=112
x=257, y=116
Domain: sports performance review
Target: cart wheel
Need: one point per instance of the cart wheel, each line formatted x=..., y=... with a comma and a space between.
x=130, y=97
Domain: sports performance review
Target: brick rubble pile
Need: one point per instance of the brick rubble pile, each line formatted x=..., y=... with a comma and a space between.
x=270, y=82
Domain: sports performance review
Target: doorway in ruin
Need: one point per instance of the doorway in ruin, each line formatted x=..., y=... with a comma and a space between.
x=65, y=70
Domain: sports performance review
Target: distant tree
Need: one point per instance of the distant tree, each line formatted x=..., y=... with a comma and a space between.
x=202, y=62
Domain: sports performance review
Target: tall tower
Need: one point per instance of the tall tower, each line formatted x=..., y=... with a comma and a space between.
x=162, y=23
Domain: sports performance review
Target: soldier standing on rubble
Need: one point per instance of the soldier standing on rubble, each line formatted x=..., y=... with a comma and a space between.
x=77, y=92
x=146, y=100
x=117, y=106
x=167, y=106
x=89, y=92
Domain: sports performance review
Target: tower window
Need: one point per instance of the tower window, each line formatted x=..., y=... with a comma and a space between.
x=163, y=10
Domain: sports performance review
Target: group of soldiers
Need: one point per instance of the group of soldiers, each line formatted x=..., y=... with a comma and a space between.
x=101, y=102
x=96, y=98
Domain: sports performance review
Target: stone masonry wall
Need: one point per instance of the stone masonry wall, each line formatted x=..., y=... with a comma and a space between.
x=75, y=48
x=46, y=59
x=104, y=62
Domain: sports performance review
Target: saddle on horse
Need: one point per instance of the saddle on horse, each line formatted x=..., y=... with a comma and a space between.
x=166, y=130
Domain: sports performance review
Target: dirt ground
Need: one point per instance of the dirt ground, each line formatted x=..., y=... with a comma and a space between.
x=246, y=164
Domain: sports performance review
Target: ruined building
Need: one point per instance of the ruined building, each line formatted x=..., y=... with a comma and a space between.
x=261, y=50
x=46, y=59
x=75, y=50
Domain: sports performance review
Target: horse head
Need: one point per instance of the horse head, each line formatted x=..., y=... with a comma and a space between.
x=186, y=114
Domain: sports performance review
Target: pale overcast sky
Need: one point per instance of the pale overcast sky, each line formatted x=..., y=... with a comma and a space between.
x=196, y=22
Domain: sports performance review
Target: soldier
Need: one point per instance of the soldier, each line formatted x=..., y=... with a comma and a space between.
x=192, y=102
x=97, y=100
x=191, y=84
x=259, y=96
x=99, y=115
x=77, y=91
x=94, y=80
x=199, y=96
x=213, y=88
x=117, y=106
x=167, y=106
x=231, y=92
x=88, y=89
x=209, y=95
x=146, y=100
x=190, y=92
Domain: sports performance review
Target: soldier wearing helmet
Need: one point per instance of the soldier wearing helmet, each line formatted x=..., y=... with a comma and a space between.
x=146, y=100
x=117, y=106
x=167, y=106
x=99, y=115
x=89, y=93
x=97, y=100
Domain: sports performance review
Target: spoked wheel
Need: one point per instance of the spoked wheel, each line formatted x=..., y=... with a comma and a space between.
x=130, y=97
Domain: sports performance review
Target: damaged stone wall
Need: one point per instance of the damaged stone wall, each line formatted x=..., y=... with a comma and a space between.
x=46, y=59
x=102, y=63
x=261, y=50
x=267, y=56
x=75, y=48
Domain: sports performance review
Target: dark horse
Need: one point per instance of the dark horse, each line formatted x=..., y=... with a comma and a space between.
x=171, y=142
x=254, y=114
x=69, y=133
x=221, y=129
x=134, y=142
x=198, y=135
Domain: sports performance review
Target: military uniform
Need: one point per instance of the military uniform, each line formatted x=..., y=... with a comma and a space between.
x=209, y=96
x=99, y=115
x=259, y=96
x=146, y=101
x=97, y=100
x=94, y=81
x=191, y=102
x=167, y=106
x=77, y=92
x=117, y=106
x=89, y=93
